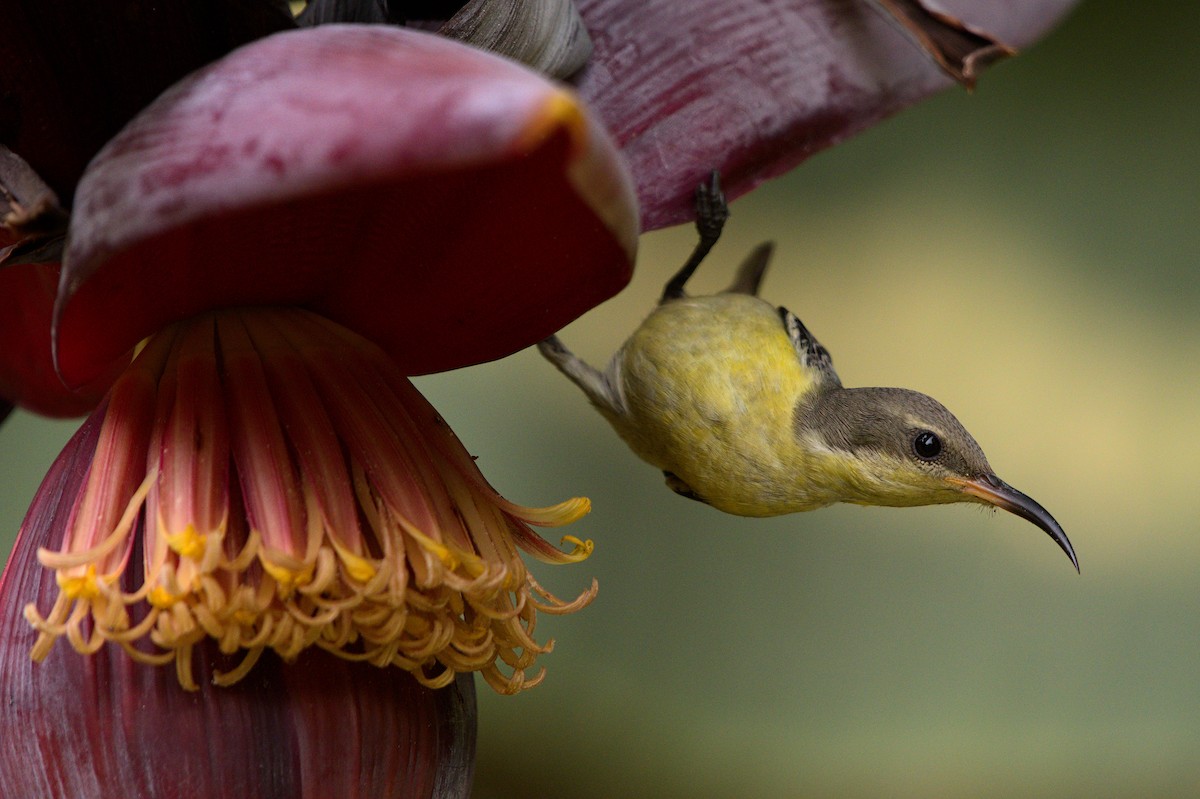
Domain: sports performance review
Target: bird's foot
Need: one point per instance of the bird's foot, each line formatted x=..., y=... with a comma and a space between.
x=711, y=210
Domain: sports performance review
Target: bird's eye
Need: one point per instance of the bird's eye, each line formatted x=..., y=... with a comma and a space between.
x=927, y=445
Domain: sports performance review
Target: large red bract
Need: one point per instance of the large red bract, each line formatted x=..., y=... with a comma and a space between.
x=449, y=205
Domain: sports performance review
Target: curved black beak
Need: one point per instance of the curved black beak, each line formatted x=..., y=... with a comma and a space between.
x=994, y=491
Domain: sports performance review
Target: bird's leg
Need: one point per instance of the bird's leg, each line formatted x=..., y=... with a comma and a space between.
x=681, y=488
x=711, y=213
x=594, y=383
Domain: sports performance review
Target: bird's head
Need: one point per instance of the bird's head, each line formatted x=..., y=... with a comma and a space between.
x=892, y=446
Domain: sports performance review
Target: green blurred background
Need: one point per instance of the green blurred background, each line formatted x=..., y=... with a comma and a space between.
x=1026, y=254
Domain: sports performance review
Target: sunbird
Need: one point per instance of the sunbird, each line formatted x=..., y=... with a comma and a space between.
x=740, y=407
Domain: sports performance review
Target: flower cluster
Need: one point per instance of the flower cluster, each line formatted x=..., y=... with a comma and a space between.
x=287, y=487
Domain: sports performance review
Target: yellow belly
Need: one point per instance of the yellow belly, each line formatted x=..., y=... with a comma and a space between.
x=710, y=387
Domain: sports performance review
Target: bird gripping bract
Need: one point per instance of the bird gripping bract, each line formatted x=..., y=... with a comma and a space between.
x=741, y=408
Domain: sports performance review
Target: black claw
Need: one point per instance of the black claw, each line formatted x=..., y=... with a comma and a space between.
x=711, y=209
